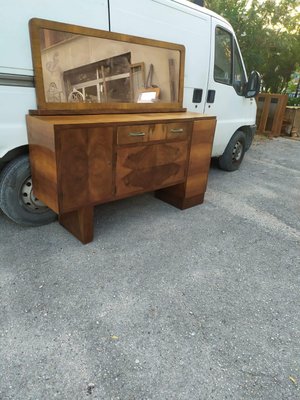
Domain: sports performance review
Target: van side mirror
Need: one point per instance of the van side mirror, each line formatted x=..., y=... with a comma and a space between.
x=253, y=85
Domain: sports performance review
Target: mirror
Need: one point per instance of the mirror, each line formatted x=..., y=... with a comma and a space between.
x=85, y=69
x=253, y=85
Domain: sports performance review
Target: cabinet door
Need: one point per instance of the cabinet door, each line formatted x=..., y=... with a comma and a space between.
x=84, y=164
x=149, y=167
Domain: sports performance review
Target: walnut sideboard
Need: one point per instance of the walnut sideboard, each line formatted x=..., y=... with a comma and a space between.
x=80, y=161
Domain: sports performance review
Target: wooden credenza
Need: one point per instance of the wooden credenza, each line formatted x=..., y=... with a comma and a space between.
x=80, y=161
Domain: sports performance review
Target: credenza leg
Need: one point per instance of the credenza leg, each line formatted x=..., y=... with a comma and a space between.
x=80, y=223
x=177, y=199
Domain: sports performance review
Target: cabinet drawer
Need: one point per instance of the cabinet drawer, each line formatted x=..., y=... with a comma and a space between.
x=133, y=134
x=150, y=167
x=178, y=130
x=152, y=132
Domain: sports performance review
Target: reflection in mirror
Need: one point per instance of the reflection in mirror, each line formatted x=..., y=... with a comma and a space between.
x=86, y=69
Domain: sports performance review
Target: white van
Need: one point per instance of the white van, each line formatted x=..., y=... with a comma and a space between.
x=215, y=79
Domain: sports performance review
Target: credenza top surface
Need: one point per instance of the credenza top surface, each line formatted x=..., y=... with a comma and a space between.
x=120, y=118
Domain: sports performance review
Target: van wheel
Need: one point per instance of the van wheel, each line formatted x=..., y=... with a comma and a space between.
x=234, y=153
x=17, y=199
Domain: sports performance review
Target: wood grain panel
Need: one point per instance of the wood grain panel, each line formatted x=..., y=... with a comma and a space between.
x=157, y=132
x=148, y=167
x=43, y=161
x=100, y=153
x=200, y=155
x=85, y=166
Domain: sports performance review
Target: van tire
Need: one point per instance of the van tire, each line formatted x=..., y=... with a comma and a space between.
x=234, y=153
x=16, y=196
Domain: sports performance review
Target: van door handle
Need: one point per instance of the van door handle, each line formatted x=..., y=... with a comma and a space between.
x=211, y=96
x=197, y=95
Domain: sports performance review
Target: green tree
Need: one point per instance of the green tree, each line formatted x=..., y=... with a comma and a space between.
x=269, y=36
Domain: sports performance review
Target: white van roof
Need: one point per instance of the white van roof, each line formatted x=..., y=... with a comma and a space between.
x=204, y=10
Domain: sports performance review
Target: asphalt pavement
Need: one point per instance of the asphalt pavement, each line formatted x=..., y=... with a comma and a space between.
x=201, y=304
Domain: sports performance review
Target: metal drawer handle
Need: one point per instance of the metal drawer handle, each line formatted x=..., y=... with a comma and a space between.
x=176, y=130
x=136, y=134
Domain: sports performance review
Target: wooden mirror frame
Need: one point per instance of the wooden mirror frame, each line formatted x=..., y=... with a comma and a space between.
x=49, y=108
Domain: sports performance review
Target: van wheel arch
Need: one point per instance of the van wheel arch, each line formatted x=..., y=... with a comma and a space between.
x=234, y=153
x=249, y=135
x=12, y=154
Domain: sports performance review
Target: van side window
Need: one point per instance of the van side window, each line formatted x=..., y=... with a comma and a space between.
x=223, y=57
x=239, y=78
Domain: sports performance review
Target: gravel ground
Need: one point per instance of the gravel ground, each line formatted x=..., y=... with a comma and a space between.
x=163, y=304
